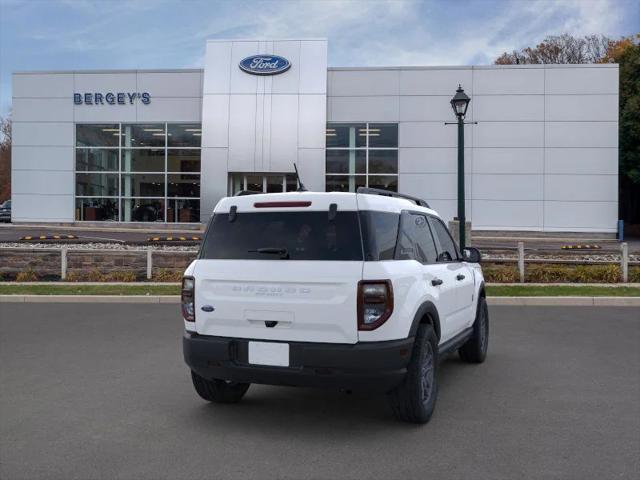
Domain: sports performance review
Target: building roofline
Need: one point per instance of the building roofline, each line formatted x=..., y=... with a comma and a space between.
x=117, y=70
x=479, y=67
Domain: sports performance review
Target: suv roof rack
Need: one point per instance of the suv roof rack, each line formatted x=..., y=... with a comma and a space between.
x=242, y=193
x=387, y=193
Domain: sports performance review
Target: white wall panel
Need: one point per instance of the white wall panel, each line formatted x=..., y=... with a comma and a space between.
x=512, y=135
x=578, y=161
x=508, y=160
x=428, y=109
x=364, y=83
x=105, y=113
x=448, y=209
x=507, y=187
x=313, y=67
x=42, y=182
x=214, y=179
x=312, y=121
x=215, y=121
x=284, y=132
x=508, y=81
x=289, y=81
x=29, y=208
x=581, y=216
x=432, y=134
x=242, y=132
x=311, y=165
x=42, y=158
x=41, y=85
x=582, y=108
x=170, y=84
x=435, y=81
x=433, y=186
x=42, y=110
x=601, y=79
x=581, y=134
x=523, y=215
x=217, y=75
x=242, y=82
x=518, y=108
x=581, y=187
x=106, y=82
x=42, y=134
x=373, y=109
x=176, y=109
x=432, y=160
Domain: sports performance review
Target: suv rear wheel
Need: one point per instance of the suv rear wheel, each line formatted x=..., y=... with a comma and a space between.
x=219, y=391
x=415, y=399
x=475, y=349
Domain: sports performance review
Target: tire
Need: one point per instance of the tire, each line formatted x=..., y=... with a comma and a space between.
x=219, y=391
x=415, y=399
x=475, y=349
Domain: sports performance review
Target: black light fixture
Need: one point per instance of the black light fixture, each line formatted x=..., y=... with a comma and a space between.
x=460, y=102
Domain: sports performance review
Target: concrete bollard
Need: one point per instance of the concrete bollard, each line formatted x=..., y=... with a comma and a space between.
x=63, y=263
x=521, y=261
x=149, y=262
x=624, y=261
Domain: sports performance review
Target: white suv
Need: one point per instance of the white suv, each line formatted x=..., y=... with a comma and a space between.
x=347, y=290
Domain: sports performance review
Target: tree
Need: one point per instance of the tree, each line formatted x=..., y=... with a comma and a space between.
x=5, y=159
x=560, y=49
x=600, y=49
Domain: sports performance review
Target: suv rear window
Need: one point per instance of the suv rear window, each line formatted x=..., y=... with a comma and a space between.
x=283, y=235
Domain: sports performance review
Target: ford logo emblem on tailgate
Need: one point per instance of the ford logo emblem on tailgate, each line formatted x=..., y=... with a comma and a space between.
x=265, y=64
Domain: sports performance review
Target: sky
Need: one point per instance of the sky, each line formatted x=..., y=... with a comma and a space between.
x=106, y=34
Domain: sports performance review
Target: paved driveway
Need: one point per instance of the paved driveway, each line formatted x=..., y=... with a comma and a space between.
x=100, y=391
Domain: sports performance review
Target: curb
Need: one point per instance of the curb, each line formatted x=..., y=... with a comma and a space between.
x=175, y=299
x=565, y=301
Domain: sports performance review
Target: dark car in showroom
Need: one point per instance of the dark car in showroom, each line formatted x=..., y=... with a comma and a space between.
x=5, y=211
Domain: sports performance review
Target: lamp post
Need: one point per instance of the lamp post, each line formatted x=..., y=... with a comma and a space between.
x=460, y=103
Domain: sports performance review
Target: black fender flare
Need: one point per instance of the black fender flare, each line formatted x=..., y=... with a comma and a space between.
x=481, y=290
x=427, y=309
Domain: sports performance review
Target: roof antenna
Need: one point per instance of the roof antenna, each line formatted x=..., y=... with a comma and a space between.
x=301, y=187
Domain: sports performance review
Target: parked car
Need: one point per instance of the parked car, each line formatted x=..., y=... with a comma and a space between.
x=5, y=211
x=359, y=290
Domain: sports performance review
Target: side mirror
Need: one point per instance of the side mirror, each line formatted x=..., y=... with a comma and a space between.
x=471, y=255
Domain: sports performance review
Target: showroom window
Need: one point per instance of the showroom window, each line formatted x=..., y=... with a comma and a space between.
x=262, y=182
x=361, y=155
x=138, y=172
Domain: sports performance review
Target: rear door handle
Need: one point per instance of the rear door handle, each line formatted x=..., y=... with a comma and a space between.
x=460, y=277
x=436, y=281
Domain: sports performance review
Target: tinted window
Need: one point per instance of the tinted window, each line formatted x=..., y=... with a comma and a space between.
x=380, y=232
x=448, y=250
x=414, y=240
x=304, y=236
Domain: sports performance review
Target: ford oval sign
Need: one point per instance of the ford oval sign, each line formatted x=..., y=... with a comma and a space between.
x=265, y=64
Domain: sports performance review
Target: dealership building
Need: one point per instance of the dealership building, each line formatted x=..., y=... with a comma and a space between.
x=164, y=146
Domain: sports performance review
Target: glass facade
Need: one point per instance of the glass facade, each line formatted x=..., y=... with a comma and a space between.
x=361, y=155
x=138, y=172
x=259, y=182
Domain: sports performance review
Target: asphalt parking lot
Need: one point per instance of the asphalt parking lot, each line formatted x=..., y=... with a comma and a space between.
x=100, y=391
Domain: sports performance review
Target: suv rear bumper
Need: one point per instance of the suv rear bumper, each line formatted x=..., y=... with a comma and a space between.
x=363, y=366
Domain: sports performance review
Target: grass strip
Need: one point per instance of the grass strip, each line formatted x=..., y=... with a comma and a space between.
x=561, y=291
x=492, y=291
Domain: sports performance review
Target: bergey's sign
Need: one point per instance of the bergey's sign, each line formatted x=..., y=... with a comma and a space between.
x=110, y=98
x=265, y=64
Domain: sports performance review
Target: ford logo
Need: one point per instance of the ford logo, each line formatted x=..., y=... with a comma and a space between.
x=265, y=64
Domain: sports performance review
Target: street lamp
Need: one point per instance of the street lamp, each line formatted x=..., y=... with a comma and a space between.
x=460, y=103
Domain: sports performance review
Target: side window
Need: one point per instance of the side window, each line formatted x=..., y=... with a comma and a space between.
x=414, y=240
x=447, y=251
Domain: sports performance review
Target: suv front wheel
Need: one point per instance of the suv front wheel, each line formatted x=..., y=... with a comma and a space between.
x=415, y=399
x=218, y=391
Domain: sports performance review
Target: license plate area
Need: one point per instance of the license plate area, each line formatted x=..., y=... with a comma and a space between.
x=269, y=353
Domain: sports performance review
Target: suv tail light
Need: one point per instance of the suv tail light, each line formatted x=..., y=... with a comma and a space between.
x=188, y=299
x=375, y=303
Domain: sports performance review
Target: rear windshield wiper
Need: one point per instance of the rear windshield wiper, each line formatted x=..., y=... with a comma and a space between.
x=283, y=252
